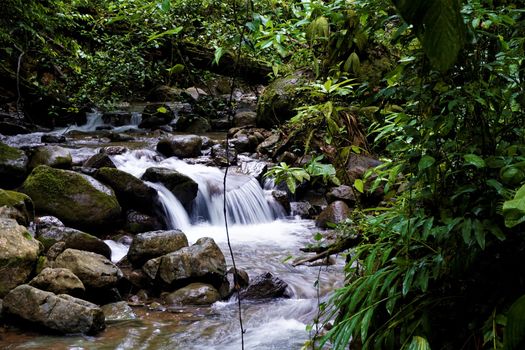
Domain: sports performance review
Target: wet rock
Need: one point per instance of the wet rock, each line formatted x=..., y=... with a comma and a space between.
x=53, y=156
x=341, y=193
x=269, y=144
x=13, y=166
x=197, y=125
x=181, y=146
x=265, y=286
x=137, y=222
x=223, y=158
x=254, y=168
x=149, y=245
x=16, y=205
x=196, y=92
x=242, y=144
x=245, y=118
x=203, y=261
x=58, y=281
x=7, y=128
x=155, y=115
x=94, y=270
x=98, y=161
x=131, y=192
x=78, y=200
x=118, y=312
x=220, y=124
x=183, y=187
x=113, y=150
x=18, y=254
x=316, y=198
x=335, y=213
x=62, y=313
x=358, y=164
x=302, y=209
x=55, y=250
x=117, y=118
x=193, y=294
x=52, y=138
x=228, y=287
x=282, y=198
x=118, y=137
x=49, y=235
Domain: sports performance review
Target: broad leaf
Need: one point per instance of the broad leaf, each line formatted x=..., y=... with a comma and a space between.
x=419, y=343
x=359, y=185
x=475, y=160
x=514, y=209
x=515, y=329
x=426, y=162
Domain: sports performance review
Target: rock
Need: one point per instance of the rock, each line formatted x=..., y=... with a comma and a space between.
x=302, y=209
x=113, y=150
x=72, y=238
x=117, y=118
x=18, y=255
x=280, y=99
x=243, y=144
x=181, y=146
x=131, y=192
x=228, y=287
x=76, y=199
x=245, y=118
x=265, y=286
x=53, y=156
x=220, y=124
x=197, y=125
x=52, y=138
x=58, y=281
x=149, y=245
x=61, y=313
x=254, y=168
x=203, y=262
x=183, y=187
x=98, y=161
x=358, y=164
x=13, y=166
x=94, y=270
x=342, y=193
x=282, y=198
x=7, y=128
x=193, y=294
x=118, y=137
x=137, y=222
x=316, y=198
x=155, y=115
x=269, y=144
x=55, y=250
x=118, y=312
x=22, y=207
x=196, y=92
x=221, y=158
x=335, y=213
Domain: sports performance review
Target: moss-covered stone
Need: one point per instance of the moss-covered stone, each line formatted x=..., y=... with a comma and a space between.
x=53, y=156
x=18, y=255
x=23, y=212
x=76, y=199
x=280, y=99
x=13, y=166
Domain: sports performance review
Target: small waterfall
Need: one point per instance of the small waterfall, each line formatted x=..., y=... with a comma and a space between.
x=136, y=118
x=175, y=212
x=246, y=201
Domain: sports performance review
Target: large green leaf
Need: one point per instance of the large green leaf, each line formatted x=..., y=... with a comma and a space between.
x=514, y=209
x=439, y=26
x=515, y=329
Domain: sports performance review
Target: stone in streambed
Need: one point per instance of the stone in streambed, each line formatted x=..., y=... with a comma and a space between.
x=58, y=281
x=53, y=156
x=76, y=199
x=18, y=254
x=265, y=286
x=193, y=294
x=13, y=166
x=181, y=146
x=150, y=245
x=182, y=186
x=61, y=313
x=335, y=213
x=118, y=312
x=16, y=205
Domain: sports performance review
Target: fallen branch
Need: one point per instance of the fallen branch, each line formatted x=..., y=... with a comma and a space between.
x=337, y=247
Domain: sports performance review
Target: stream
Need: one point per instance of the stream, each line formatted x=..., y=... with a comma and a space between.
x=264, y=238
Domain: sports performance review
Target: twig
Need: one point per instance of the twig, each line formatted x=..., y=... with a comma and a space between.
x=19, y=95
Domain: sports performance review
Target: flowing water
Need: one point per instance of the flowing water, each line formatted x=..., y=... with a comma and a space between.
x=263, y=238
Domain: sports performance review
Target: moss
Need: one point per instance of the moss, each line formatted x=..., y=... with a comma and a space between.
x=12, y=198
x=9, y=153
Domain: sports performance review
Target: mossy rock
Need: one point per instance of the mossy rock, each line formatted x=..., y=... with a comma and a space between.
x=131, y=192
x=24, y=211
x=13, y=166
x=76, y=199
x=53, y=156
x=279, y=100
x=18, y=255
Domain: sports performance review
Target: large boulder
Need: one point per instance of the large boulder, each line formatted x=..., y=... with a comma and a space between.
x=94, y=270
x=58, y=281
x=131, y=192
x=343, y=193
x=53, y=156
x=72, y=238
x=203, y=261
x=183, y=187
x=98, y=161
x=193, y=294
x=18, y=255
x=137, y=222
x=181, y=146
x=335, y=213
x=265, y=286
x=244, y=118
x=280, y=99
x=22, y=206
x=13, y=166
x=149, y=245
x=62, y=313
x=76, y=199
x=155, y=115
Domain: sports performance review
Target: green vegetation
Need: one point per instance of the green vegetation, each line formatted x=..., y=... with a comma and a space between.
x=434, y=88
